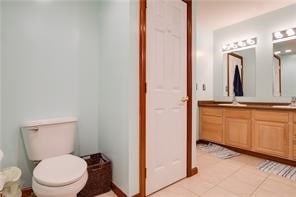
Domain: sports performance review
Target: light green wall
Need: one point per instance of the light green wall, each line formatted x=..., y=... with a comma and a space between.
x=261, y=27
x=49, y=69
x=113, y=86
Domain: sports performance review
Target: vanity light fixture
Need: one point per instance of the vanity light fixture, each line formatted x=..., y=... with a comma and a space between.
x=284, y=35
x=239, y=45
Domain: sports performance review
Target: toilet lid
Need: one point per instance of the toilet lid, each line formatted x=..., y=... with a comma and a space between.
x=60, y=171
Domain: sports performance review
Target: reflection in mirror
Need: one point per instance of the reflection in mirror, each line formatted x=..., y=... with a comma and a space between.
x=284, y=68
x=239, y=73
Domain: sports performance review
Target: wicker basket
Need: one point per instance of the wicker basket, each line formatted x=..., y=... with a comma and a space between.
x=99, y=175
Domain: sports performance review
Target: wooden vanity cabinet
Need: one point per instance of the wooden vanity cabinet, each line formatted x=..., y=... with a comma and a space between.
x=237, y=128
x=267, y=131
x=294, y=136
x=271, y=133
x=211, y=124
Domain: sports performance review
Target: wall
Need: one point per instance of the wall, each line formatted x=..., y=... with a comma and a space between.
x=261, y=27
x=49, y=69
x=204, y=63
x=114, y=90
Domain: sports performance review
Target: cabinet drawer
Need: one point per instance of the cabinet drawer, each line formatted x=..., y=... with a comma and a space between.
x=237, y=113
x=294, y=115
x=211, y=119
x=211, y=111
x=272, y=116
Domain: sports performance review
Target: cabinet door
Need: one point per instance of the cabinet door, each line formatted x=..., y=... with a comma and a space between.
x=238, y=133
x=211, y=128
x=271, y=138
x=294, y=139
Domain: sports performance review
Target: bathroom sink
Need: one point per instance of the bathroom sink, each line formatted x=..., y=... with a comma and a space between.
x=232, y=104
x=284, y=106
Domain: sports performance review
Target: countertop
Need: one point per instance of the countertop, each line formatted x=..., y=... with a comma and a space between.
x=250, y=105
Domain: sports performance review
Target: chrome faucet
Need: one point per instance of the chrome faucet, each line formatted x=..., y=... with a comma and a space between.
x=234, y=101
x=293, y=101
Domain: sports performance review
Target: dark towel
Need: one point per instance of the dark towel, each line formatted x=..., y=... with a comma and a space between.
x=237, y=83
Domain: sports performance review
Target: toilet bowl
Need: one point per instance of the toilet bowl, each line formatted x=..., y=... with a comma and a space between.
x=61, y=176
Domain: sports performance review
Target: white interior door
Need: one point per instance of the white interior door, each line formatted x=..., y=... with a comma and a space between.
x=166, y=86
x=233, y=61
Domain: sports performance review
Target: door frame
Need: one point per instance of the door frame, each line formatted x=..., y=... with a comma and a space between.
x=280, y=72
x=142, y=95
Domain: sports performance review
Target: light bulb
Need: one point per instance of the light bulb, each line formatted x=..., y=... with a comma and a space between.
x=250, y=41
x=290, y=32
x=225, y=47
x=242, y=44
x=233, y=45
x=277, y=52
x=278, y=35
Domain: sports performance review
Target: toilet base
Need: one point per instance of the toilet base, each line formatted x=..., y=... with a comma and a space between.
x=64, y=191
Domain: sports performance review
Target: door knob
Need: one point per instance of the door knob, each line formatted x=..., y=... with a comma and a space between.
x=185, y=99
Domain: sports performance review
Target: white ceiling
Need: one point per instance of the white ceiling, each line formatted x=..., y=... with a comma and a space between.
x=215, y=14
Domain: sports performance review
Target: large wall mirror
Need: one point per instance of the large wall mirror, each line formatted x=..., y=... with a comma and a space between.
x=284, y=63
x=240, y=73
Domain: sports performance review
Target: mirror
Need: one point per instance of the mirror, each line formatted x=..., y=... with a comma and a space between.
x=240, y=73
x=284, y=68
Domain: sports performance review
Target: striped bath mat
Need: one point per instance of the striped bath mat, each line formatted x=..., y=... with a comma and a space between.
x=219, y=151
x=278, y=169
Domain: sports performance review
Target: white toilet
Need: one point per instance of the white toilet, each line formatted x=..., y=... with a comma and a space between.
x=59, y=174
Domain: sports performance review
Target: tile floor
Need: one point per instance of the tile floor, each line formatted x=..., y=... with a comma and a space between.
x=236, y=177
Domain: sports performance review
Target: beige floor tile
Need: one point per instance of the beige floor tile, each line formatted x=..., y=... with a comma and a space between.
x=196, y=185
x=250, y=176
x=264, y=193
x=218, y=173
x=174, y=191
x=249, y=160
x=278, y=188
x=207, y=161
x=108, y=194
x=218, y=192
x=237, y=187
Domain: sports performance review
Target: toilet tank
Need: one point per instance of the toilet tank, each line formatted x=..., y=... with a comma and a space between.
x=49, y=138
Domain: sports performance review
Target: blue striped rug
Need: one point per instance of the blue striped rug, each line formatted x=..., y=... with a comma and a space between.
x=219, y=151
x=279, y=169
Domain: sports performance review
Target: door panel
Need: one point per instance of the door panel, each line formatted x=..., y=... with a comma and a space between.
x=166, y=85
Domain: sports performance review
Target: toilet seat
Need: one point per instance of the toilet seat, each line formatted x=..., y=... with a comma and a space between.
x=59, y=171
x=63, y=191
